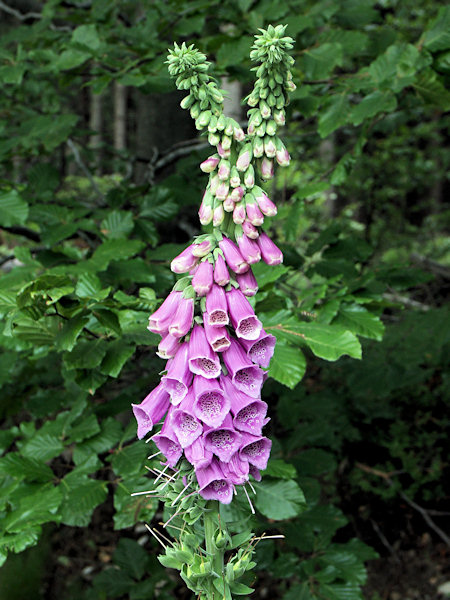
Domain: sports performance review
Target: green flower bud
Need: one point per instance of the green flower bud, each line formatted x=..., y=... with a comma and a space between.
x=203, y=119
x=271, y=100
x=213, y=139
x=258, y=147
x=261, y=130
x=221, y=122
x=226, y=142
x=212, y=125
x=281, y=102
x=271, y=127
x=195, y=110
x=187, y=102
x=265, y=109
x=228, y=129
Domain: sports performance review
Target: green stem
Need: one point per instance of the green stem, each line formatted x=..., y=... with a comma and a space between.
x=211, y=524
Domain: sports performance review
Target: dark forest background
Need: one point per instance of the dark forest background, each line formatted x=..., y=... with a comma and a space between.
x=99, y=189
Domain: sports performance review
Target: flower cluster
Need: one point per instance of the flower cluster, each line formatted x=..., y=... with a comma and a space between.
x=215, y=346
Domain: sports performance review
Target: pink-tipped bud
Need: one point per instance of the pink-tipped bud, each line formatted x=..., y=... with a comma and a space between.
x=254, y=215
x=222, y=190
x=218, y=215
x=238, y=134
x=237, y=194
x=226, y=142
x=228, y=204
x=221, y=275
x=269, y=147
x=235, y=180
x=202, y=281
x=250, y=230
x=265, y=109
x=249, y=249
x=270, y=253
x=224, y=169
x=282, y=155
x=232, y=256
x=271, y=127
x=222, y=152
x=247, y=283
x=266, y=206
x=258, y=147
x=208, y=165
x=244, y=158
x=249, y=177
x=205, y=212
x=201, y=249
x=184, y=261
x=239, y=213
x=279, y=116
x=214, y=183
x=267, y=169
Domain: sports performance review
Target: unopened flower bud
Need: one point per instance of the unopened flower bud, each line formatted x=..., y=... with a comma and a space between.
x=202, y=248
x=229, y=127
x=267, y=169
x=258, y=147
x=238, y=134
x=244, y=158
x=221, y=275
x=213, y=139
x=228, y=204
x=282, y=155
x=212, y=125
x=218, y=215
x=222, y=190
x=270, y=253
x=205, y=211
x=239, y=213
x=271, y=127
x=250, y=230
x=187, y=102
x=235, y=180
x=203, y=119
x=222, y=152
x=249, y=177
x=195, y=110
x=261, y=130
x=265, y=109
x=247, y=283
x=269, y=147
x=266, y=206
x=208, y=165
x=279, y=116
x=254, y=215
x=237, y=194
x=226, y=142
x=224, y=169
x=221, y=122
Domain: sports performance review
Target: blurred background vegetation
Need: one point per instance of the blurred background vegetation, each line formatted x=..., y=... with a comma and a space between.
x=99, y=188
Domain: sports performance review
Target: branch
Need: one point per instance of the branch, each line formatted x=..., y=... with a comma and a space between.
x=85, y=170
x=423, y=511
x=24, y=232
x=17, y=14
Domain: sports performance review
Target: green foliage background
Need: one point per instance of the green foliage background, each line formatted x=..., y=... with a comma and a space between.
x=85, y=252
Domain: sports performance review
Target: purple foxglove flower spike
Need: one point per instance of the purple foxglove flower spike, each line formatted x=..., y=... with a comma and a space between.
x=228, y=204
x=221, y=275
x=217, y=337
x=151, y=410
x=237, y=470
x=211, y=403
x=232, y=256
x=205, y=212
x=203, y=248
x=266, y=206
x=184, y=261
x=247, y=283
x=213, y=485
x=160, y=320
x=267, y=169
x=270, y=253
x=166, y=441
x=201, y=359
x=168, y=346
x=178, y=378
x=249, y=249
x=254, y=215
x=216, y=307
x=185, y=424
x=250, y=230
x=202, y=281
x=208, y=165
x=244, y=374
x=223, y=441
x=182, y=320
x=249, y=413
x=260, y=351
x=239, y=213
x=198, y=455
x=256, y=450
x=243, y=318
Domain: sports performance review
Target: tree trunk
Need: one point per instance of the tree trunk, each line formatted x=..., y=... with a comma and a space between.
x=95, y=125
x=120, y=116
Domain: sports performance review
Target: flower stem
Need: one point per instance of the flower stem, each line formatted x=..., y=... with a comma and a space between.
x=211, y=524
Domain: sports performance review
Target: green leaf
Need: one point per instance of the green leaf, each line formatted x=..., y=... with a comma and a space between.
x=89, y=286
x=341, y=591
x=21, y=467
x=110, y=433
x=18, y=542
x=288, y=365
x=279, y=469
x=319, y=62
x=116, y=249
x=129, y=460
x=360, y=321
x=13, y=210
x=108, y=319
x=371, y=105
x=42, y=447
x=266, y=274
x=438, y=36
x=432, y=90
x=86, y=355
x=80, y=502
x=118, y=224
x=133, y=509
x=68, y=335
x=115, y=358
x=86, y=35
x=86, y=428
x=34, y=509
x=334, y=115
x=279, y=500
x=234, y=52
x=329, y=342
x=131, y=557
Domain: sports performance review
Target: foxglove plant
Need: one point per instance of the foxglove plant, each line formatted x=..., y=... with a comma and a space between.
x=214, y=343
